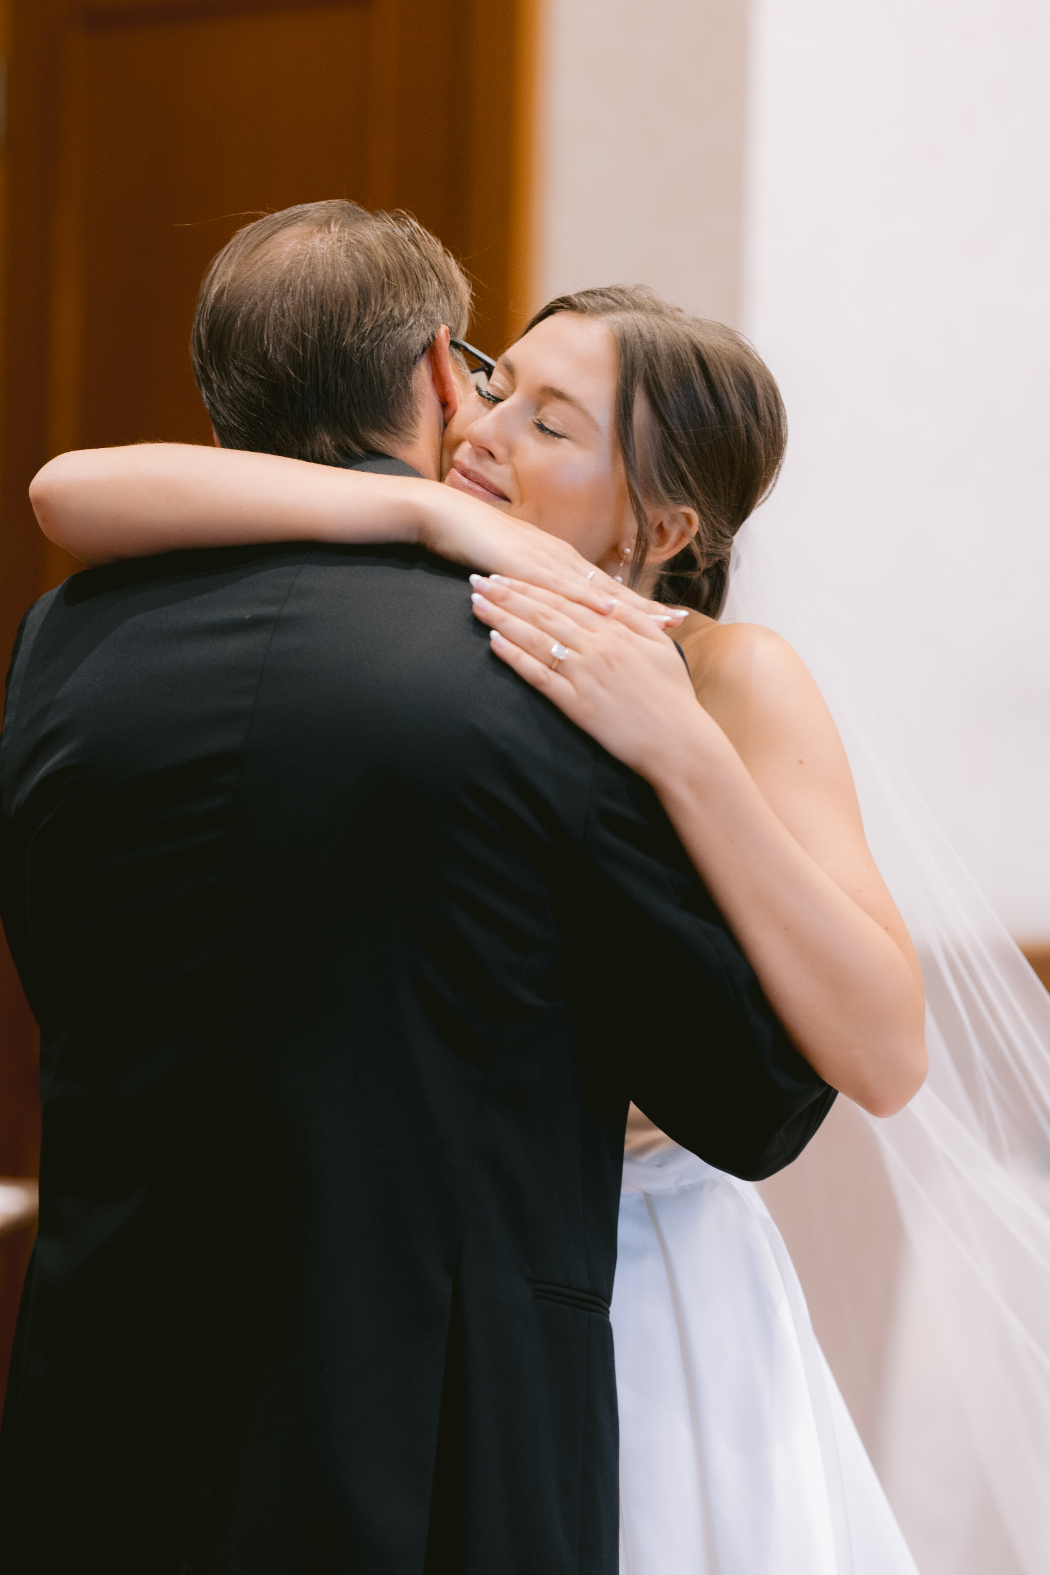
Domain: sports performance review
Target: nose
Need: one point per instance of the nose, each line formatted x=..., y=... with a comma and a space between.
x=487, y=432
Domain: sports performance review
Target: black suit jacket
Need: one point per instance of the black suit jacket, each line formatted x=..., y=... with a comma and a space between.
x=348, y=951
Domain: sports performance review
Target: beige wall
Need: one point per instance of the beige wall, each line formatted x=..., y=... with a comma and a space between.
x=640, y=178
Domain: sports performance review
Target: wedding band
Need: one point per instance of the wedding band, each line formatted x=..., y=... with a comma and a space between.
x=559, y=653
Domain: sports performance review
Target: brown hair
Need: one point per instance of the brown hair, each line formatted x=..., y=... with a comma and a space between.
x=309, y=326
x=701, y=425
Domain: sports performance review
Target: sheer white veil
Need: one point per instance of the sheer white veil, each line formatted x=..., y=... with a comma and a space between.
x=969, y=1158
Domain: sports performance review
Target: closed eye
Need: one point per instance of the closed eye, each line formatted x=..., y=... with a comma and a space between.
x=497, y=399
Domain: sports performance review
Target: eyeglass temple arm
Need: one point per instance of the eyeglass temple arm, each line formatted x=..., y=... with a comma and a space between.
x=486, y=360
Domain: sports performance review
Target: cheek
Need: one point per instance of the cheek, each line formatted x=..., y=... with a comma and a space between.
x=573, y=499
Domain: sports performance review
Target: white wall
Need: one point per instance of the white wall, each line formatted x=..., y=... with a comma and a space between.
x=864, y=188
x=896, y=279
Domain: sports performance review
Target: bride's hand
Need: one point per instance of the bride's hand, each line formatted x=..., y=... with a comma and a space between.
x=465, y=530
x=621, y=678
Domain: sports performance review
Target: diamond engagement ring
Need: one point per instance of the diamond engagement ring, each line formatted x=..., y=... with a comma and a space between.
x=558, y=654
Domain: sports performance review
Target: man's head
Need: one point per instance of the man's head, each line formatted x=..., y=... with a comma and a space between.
x=318, y=335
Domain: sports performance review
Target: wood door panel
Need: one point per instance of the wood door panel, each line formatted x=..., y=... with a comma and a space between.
x=228, y=117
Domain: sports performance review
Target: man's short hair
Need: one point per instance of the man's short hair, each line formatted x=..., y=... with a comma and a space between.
x=310, y=324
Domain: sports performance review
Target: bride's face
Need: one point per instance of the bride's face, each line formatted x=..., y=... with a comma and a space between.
x=541, y=444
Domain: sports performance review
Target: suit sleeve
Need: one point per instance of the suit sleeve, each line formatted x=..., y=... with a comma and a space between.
x=704, y=1056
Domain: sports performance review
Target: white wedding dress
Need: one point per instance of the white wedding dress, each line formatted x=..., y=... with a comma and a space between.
x=737, y=1453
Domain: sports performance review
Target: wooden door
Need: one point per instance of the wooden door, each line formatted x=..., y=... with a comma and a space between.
x=141, y=134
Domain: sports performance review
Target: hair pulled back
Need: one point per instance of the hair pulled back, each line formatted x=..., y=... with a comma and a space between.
x=701, y=425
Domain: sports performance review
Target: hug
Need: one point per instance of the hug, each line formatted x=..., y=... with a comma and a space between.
x=436, y=919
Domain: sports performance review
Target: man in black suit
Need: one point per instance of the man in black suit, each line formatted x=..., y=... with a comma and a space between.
x=341, y=941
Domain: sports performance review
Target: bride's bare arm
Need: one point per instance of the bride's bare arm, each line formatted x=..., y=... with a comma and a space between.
x=105, y=504
x=757, y=785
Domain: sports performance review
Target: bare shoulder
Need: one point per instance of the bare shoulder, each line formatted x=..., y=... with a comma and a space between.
x=744, y=664
x=762, y=695
x=764, y=698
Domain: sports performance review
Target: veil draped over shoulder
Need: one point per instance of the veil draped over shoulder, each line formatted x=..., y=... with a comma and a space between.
x=969, y=1158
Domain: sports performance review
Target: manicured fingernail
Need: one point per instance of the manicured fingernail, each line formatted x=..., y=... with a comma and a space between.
x=608, y=602
x=477, y=579
x=479, y=601
x=497, y=639
x=499, y=579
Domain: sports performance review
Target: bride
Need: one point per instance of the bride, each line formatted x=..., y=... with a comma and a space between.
x=638, y=440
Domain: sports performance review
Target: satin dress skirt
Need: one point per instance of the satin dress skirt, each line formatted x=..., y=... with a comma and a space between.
x=737, y=1453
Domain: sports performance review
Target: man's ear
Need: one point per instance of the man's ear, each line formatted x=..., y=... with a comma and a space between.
x=443, y=375
x=669, y=531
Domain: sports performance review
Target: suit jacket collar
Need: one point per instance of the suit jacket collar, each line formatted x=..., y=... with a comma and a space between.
x=380, y=464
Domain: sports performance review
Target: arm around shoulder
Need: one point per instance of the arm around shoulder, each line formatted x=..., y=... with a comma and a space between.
x=106, y=504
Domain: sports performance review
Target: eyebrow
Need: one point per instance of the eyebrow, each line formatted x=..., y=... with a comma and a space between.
x=548, y=391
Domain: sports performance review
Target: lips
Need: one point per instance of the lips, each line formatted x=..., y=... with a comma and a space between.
x=473, y=481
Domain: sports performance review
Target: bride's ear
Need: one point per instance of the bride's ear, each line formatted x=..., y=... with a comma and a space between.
x=447, y=384
x=669, y=531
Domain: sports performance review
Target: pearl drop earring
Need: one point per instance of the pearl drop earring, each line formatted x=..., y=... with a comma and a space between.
x=623, y=559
